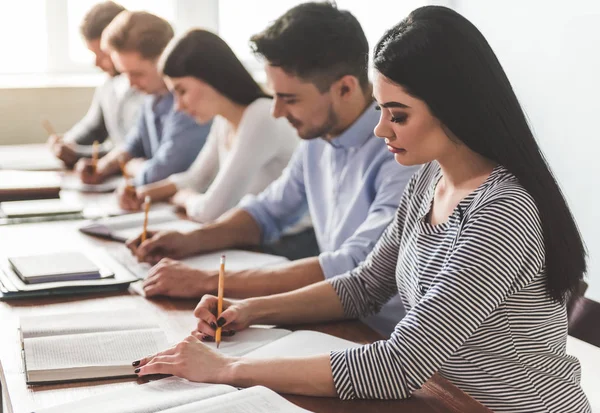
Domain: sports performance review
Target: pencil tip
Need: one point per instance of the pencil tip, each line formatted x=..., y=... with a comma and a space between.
x=218, y=344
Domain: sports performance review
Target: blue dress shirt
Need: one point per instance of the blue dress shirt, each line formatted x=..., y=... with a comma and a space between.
x=351, y=187
x=168, y=139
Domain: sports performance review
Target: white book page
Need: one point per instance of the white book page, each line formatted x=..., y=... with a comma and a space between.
x=30, y=158
x=152, y=397
x=237, y=260
x=255, y=399
x=248, y=340
x=117, y=348
x=136, y=220
x=88, y=322
x=14, y=180
x=302, y=343
x=181, y=225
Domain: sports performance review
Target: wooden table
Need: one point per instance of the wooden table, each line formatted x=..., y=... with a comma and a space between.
x=437, y=395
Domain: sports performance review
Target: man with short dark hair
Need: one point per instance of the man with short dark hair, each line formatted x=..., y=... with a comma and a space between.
x=115, y=105
x=316, y=63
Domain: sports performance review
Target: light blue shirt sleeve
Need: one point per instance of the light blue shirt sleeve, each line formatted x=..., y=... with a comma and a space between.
x=283, y=203
x=134, y=144
x=389, y=183
x=180, y=144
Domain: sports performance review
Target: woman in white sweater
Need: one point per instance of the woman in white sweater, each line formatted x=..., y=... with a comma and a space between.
x=246, y=149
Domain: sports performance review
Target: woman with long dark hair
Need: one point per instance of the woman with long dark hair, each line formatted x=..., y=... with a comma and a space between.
x=246, y=148
x=483, y=250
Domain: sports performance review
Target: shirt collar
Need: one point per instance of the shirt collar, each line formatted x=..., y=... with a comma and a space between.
x=359, y=132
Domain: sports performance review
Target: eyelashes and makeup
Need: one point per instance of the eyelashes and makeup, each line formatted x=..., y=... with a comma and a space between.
x=400, y=117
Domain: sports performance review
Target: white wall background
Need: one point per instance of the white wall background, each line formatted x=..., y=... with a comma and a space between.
x=550, y=50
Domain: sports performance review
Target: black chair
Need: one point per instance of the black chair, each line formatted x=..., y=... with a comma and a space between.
x=583, y=315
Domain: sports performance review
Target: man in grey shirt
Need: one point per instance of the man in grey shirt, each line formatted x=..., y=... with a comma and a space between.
x=115, y=106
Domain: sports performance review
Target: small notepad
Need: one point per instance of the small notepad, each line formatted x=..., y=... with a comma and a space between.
x=64, y=266
x=44, y=207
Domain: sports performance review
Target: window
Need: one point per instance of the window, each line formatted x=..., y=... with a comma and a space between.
x=42, y=36
x=23, y=29
x=76, y=10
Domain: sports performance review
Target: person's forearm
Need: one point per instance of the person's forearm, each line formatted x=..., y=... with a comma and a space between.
x=158, y=191
x=236, y=228
x=109, y=164
x=312, y=304
x=310, y=376
x=134, y=166
x=274, y=280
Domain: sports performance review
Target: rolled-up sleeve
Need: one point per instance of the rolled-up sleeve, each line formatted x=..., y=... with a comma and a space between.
x=134, y=142
x=180, y=144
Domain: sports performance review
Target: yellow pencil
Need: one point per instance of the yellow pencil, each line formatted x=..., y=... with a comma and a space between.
x=48, y=127
x=220, y=300
x=146, y=211
x=95, y=150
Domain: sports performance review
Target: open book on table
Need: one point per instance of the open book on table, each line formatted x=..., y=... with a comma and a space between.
x=122, y=228
x=176, y=395
x=83, y=346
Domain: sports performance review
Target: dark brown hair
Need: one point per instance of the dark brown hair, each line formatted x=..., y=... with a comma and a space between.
x=205, y=56
x=316, y=42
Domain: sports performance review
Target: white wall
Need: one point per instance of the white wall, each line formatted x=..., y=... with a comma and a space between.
x=550, y=50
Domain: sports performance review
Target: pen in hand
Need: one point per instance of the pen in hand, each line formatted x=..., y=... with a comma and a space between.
x=220, y=298
x=146, y=211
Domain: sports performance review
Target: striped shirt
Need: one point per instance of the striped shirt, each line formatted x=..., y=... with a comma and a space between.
x=477, y=308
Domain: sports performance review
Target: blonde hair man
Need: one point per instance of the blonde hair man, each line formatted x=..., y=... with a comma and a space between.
x=164, y=141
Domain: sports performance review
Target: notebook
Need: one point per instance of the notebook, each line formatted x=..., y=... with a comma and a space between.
x=73, y=183
x=45, y=207
x=29, y=158
x=124, y=227
x=71, y=347
x=63, y=266
x=177, y=395
x=23, y=185
x=13, y=287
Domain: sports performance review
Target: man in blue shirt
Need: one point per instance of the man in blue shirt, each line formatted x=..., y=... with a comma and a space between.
x=163, y=141
x=341, y=174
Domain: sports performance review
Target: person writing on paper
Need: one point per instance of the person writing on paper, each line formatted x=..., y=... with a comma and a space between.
x=164, y=141
x=115, y=106
x=483, y=250
x=341, y=173
x=246, y=148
